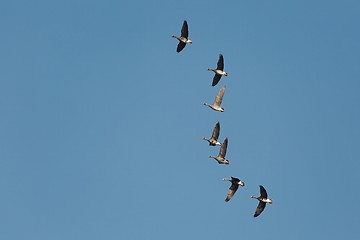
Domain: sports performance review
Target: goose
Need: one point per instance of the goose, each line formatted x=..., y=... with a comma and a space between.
x=219, y=71
x=218, y=99
x=183, y=39
x=263, y=199
x=213, y=141
x=221, y=157
x=235, y=183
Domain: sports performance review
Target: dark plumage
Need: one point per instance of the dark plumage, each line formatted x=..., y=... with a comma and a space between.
x=219, y=71
x=221, y=157
x=263, y=199
x=235, y=183
x=213, y=141
x=183, y=39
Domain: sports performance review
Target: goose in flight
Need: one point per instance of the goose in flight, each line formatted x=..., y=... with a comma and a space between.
x=221, y=157
x=263, y=199
x=213, y=141
x=235, y=183
x=218, y=99
x=219, y=71
x=183, y=39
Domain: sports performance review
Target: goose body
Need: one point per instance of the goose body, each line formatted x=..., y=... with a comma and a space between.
x=213, y=141
x=183, y=39
x=222, y=153
x=219, y=71
x=218, y=100
x=263, y=199
x=235, y=183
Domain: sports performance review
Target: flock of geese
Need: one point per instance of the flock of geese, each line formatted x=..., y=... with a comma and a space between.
x=213, y=141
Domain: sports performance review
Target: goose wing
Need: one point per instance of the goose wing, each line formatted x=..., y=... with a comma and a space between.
x=233, y=188
x=263, y=192
x=223, y=148
x=235, y=179
x=216, y=79
x=220, y=63
x=185, y=30
x=216, y=131
x=260, y=208
x=219, y=96
x=180, y=46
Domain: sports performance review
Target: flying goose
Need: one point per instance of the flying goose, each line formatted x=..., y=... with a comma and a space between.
x=235, y=182
x=218, y=99
x=221, y=157
x=183, y=39
x=219, y=71
x=213, y=141
x=262, y=201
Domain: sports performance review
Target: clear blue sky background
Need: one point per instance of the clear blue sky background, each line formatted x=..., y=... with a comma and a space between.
x=101, y=119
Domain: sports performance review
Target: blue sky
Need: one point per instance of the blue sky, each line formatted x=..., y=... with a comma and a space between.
x=101, y=119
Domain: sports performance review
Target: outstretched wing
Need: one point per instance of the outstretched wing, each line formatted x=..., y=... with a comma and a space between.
x=219, y=96
x=260, y=208
x=220, y=63
x=223, y=148
x=180, y=46
x=185, y=30
x=216, y=79
x=216, y=131
x=234, y=186
x=263, y=192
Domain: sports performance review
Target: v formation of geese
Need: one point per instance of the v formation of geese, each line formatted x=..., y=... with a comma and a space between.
x=213, y=141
